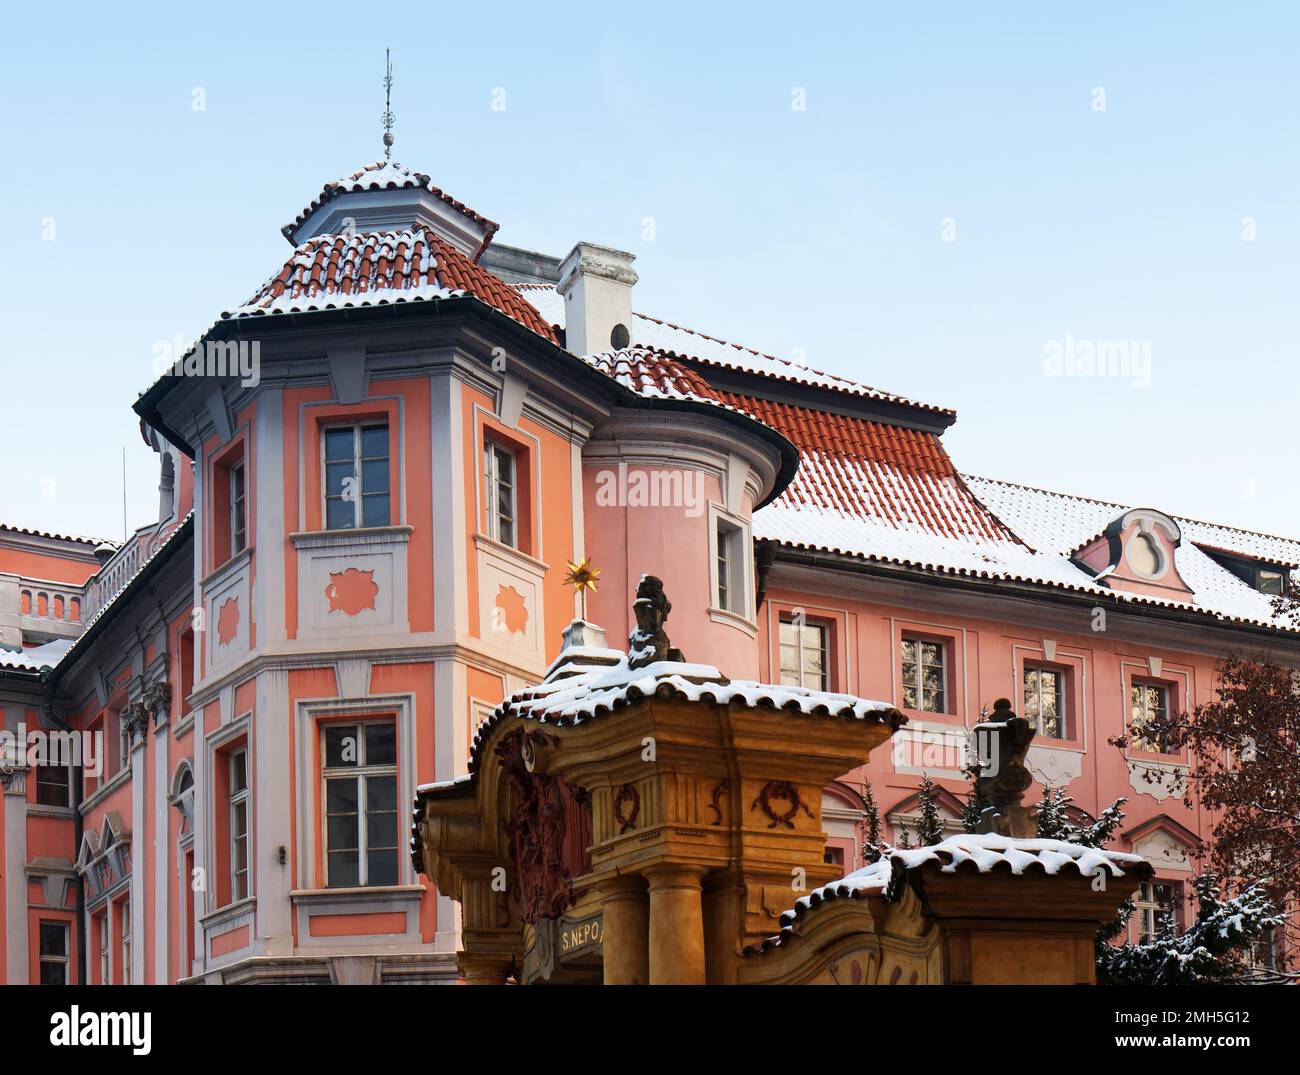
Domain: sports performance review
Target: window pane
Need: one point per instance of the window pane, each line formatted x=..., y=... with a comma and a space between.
x=375, y=510
x=374, y=442
x=381, y=831
x=789, y=634
x=340, y=514
x=336, y=479
x=342, y=832
x=909, y=651
x=54, y=940
x=54, y=974
x=341, y=746
x=381, y=744
x=339, y=444
x=381, y=795
x=238, y=772
x=374, y=476
x=381, y=867
x=343, y=869
x=341, y=796
x=239, y=819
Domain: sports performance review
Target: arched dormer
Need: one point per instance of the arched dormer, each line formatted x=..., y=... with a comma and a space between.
x=1137, y=552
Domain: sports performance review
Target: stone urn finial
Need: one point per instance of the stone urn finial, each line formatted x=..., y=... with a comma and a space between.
x=1001, y=744
x=648, y=643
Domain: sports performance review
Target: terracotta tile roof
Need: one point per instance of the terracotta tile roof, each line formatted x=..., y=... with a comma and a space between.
x=369, y=268
x=76, y=538
x=386, y=175
x=678, y=342
x=870, y=470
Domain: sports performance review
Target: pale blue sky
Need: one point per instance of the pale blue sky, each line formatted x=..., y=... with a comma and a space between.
x=816, y=232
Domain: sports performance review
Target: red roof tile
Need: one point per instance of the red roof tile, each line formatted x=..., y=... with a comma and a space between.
x=340, y=270
x=856, y=467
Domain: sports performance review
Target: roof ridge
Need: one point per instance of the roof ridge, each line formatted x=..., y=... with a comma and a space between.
x=81, y=539
x=1119, y=504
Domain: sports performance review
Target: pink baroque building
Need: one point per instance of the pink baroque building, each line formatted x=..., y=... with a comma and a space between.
x=374, y=473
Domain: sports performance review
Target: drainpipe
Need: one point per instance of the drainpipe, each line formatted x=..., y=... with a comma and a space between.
x=78, y=823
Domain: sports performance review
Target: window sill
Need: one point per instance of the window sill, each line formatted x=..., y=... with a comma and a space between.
x=224, y=914
x=356, y=535
x=61, y=813
x=228, y=568
x=734, y=619
x=488, y=544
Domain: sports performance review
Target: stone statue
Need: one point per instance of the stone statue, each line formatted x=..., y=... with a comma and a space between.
x=648, y=643
x=1001, y=778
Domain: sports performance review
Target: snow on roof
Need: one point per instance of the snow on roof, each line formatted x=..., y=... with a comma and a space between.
x=675, y=340
x=385, y=175
x=1056, y=524
x=983, y=852
x=577, y=693
x=329, y=272
x=36, y=658
x=591, y=684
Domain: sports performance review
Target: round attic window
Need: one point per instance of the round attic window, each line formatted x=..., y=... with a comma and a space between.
x=1144, y=555
x=619, y=337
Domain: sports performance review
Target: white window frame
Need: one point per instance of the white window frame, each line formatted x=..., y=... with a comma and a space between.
x=739, y=560
x=124, y=910
x=240, y=879
x=1149, y=906
x=105, y=945
x=1036, y=719
x=1135, y=726
x=945, y=659
x=64, y=960
x=801, y=674
x=238, y=507
x=360, y=773
x=493, y=454
x=358, y=472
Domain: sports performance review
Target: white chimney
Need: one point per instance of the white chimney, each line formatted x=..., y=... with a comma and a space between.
x=596, y=282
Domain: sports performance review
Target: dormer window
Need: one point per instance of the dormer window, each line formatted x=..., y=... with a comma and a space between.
x=1144, y=555
x=1137, y=552
x=1260, y=575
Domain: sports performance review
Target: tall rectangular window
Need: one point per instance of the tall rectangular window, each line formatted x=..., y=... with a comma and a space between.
x=54, y=785
x=925, y=676
x=729, y=567
x=499, y=493
x=356, y=482
x=125, y=906
x=1149, y=701
x=238, y=515
x=360, y=778
x=239, y=824
x=1157, y=908
x=101, y=932
x=54, y=953
x=803, y=654
x=1044, y=694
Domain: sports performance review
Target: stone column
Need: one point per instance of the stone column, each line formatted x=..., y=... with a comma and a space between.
x=676, y=925
x=484, y=968
x=625, y=932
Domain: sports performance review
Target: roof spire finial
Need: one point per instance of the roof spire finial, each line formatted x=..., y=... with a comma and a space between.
x=388, y=106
